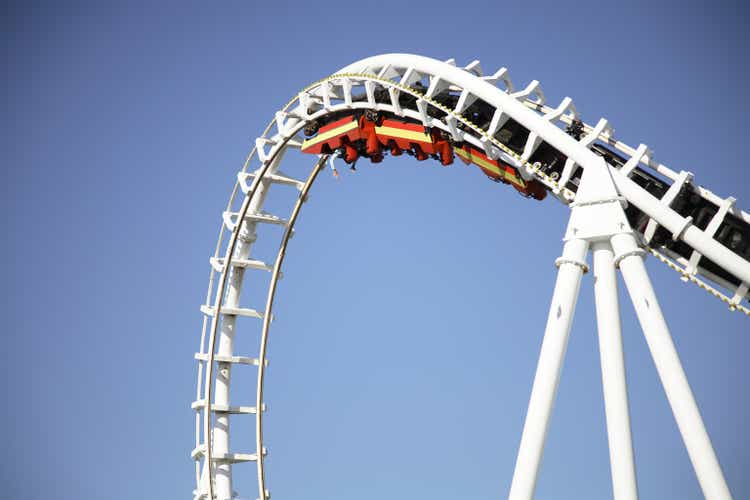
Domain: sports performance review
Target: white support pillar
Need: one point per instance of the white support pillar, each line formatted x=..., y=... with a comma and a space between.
x=668, y=365
x=220, y=438
x=223, y=489
x=624, y=485
x=572, y=266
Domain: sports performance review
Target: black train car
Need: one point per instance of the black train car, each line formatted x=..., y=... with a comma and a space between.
x=733, y=232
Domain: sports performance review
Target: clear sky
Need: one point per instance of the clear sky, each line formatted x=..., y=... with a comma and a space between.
x=414, y=298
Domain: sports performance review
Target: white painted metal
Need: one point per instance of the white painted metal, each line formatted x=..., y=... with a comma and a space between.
x=724, y=207
x=223, y=378
x=275, y=276
x=667, y=199
x=567, y=145
x=218, y=264
x=241, y=360
x=670, y=370
x=547, y=377
x=602, y=129
x=597, y=216
x=739, y=294
x=232, y=311
x=675, y=223
x=624, y=485
x=221, y=430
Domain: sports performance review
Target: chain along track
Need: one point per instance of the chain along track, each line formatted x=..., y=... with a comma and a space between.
x=398, y=74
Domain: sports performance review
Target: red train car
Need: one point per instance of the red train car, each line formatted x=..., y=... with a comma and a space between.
x=338, y=134
x=370, y=135
x=364, y=136
x=502, y=172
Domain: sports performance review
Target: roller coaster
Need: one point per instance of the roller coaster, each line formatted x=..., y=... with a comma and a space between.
x=624, y=205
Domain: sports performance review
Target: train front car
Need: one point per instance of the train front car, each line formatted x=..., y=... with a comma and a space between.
x=372, y=134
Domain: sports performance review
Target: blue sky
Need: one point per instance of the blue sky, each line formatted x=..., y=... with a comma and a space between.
x=414, y=299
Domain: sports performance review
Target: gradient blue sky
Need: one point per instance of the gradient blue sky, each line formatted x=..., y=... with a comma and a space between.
x=411, y=314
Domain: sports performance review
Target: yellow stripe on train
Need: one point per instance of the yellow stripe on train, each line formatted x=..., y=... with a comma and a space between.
x=328, y=134
x=488, y=165
x=411, y=135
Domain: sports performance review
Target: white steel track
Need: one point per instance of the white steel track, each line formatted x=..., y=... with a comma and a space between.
x=398, y=74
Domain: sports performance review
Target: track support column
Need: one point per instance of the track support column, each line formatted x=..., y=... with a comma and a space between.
x=571, y=268
x=221, y=431
x=624, y=485
x=667, y=361
x=220, y=474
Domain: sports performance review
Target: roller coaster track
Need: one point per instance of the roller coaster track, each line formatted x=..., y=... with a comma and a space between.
x=354, y=88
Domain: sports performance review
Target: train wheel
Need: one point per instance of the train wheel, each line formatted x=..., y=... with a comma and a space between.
x=311, y=128
x=372, y=115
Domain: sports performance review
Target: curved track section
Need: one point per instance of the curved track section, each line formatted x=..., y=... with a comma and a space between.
x=705, y=239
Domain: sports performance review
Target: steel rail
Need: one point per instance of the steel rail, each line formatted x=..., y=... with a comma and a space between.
x=319, y=165
x=649, y=205
x=212, y=274
x=222, y=281
x=279, y=143
x=217, y=311
x=279, y=147
x=207, y=420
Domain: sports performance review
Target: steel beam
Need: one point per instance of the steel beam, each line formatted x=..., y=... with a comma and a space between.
x=624, y=485
x=548, y=369
x=667, y=361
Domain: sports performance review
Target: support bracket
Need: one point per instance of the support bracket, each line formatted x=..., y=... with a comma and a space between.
x=597, y=212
